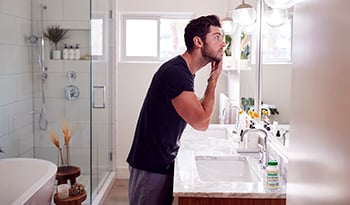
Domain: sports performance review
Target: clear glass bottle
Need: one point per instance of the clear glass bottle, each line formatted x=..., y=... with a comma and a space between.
x=272, y=178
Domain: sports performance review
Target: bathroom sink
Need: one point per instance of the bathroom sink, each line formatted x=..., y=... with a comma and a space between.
x=215, y=132
x=225, y=169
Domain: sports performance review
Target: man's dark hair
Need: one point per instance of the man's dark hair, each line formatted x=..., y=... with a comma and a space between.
x=199, y=27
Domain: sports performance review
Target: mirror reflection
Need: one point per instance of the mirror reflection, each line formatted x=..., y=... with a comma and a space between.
x=275, y=69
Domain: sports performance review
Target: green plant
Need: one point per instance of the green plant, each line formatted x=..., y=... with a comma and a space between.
x=228, y=41
x=245, y=47
x=55, y=34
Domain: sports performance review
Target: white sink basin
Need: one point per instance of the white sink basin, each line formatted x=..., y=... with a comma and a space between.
x=225, y=169
x=214, y=132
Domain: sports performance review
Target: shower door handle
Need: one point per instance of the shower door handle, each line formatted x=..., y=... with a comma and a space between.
x=96, y=92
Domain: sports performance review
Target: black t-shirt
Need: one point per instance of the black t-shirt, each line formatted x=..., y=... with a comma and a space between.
x=159, y=127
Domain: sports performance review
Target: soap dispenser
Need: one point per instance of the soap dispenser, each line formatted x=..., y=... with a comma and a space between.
x=77, y=52
x=65, y=52
x=71, y=53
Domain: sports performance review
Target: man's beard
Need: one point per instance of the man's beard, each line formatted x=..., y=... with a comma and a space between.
x=211, y=54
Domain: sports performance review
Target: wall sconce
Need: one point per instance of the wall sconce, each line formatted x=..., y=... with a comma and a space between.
x=244, y=14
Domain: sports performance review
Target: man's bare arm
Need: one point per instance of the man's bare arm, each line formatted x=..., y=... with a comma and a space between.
x=198, y=112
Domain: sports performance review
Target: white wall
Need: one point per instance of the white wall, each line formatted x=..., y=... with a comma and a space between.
x=319, y=147
x=16, y=137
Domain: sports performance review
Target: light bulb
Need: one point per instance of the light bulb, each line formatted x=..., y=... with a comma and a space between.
x=244, y=17
x=280, y=4
x=228, y=26
x=276, y=17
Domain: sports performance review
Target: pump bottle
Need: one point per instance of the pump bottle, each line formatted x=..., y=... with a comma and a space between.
x=77, y=52
x=71, y=53
x=65, y=52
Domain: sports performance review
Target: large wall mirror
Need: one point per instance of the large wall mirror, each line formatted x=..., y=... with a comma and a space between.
x=276, y=67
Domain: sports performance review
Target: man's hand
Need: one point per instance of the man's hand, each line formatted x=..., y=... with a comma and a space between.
x=216, y=68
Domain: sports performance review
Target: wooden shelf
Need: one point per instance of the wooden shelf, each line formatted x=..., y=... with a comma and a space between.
x=65, y=173
x=72, y=200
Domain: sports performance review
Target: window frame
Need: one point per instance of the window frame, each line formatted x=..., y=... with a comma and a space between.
x=124, y=16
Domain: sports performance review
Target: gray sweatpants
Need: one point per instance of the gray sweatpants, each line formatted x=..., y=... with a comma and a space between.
x=148, y=188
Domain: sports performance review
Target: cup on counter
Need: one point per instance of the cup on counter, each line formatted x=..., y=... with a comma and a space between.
x=63, y=191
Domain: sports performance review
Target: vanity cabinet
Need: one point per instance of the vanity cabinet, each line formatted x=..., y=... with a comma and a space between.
x=229, y=201
x=196, y=182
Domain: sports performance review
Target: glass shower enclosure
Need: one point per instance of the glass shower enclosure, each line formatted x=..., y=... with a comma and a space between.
x=42, y=94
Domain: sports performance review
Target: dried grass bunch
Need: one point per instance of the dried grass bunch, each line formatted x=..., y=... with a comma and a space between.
x=55, y=34
x=67, y=135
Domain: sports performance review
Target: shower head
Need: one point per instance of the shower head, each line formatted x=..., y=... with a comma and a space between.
x=44, y=7
x=33, y=39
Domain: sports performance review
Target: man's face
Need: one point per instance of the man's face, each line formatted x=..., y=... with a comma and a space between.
x=214, y=44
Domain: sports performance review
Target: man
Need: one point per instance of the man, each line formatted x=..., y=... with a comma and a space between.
x=169, y=105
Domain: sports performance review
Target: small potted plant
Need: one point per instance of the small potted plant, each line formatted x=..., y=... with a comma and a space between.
x=55, y=34
x=245, y=51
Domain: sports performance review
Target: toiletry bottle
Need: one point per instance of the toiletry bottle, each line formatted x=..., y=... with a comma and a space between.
x=71, y=53
x=77, y=52
x=231, y=113
x=272, y=178
x=65, y=52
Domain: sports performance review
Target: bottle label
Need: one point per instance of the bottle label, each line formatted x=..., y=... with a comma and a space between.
x=272, y=180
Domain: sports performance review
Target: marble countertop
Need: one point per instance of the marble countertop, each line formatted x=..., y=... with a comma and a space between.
x=186, y=180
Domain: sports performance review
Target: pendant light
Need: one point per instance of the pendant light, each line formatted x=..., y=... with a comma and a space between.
x=244, y=14
x=280, y=4
x=228, y=25
x=275, y=17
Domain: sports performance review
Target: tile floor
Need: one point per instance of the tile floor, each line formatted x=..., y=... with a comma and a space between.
x=118, y=195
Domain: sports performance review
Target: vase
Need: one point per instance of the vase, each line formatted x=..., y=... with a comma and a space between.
x=56, y=54
x=245, y=64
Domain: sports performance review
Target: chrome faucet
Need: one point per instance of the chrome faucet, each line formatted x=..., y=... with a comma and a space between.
x=284, y=137
x=231, y=113
x=262, y=144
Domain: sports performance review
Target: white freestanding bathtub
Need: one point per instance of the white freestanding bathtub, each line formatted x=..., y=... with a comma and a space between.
x=26, y=181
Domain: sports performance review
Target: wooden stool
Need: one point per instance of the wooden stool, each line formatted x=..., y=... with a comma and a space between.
x=67, y=172
x=72, y=200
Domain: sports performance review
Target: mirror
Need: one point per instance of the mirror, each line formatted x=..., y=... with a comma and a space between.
x=275, y=69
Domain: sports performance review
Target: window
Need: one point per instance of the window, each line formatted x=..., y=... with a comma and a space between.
x=276, y=44
x=152, y=37
x=97, y=37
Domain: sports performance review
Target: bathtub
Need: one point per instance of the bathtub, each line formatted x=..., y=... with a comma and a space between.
x=26, y=181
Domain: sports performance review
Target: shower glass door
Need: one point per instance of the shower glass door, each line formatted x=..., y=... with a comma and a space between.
x=101, y=92
x=74, y=92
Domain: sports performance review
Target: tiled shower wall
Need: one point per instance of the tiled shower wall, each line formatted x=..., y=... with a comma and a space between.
x=20, y=91
x=74, y=16
x=16, y=123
